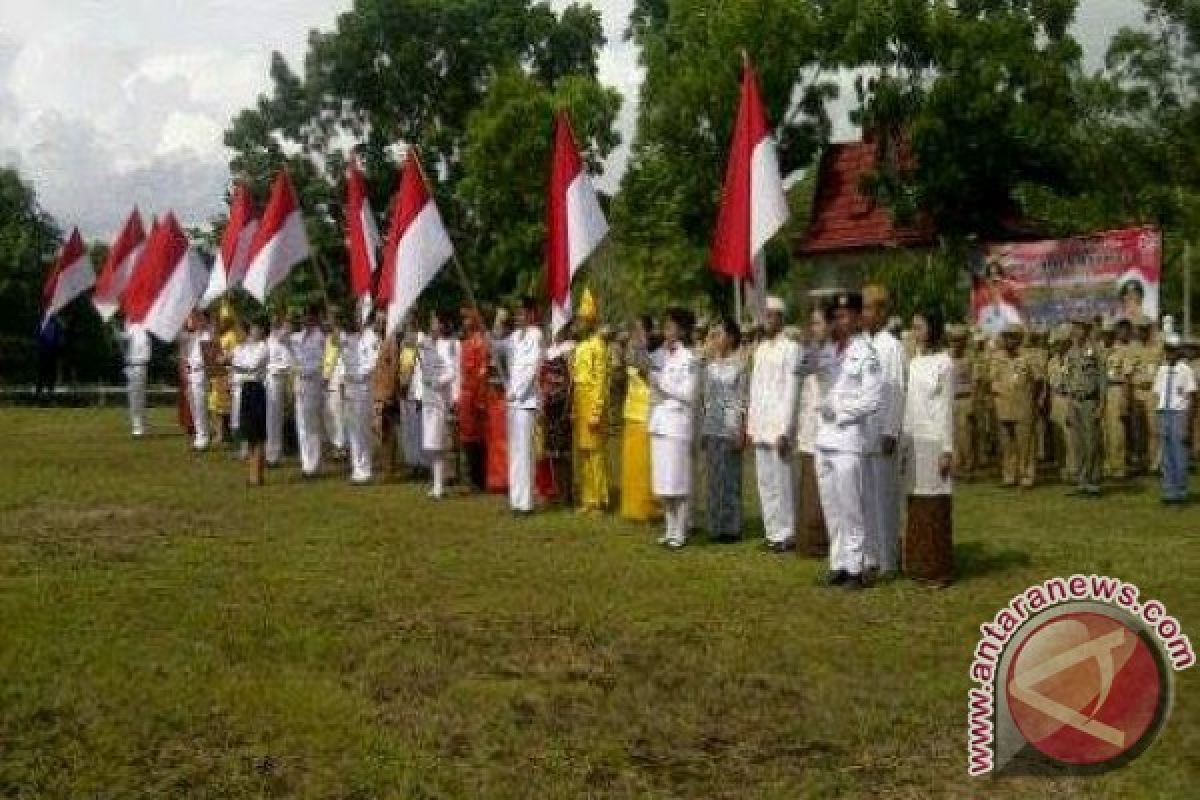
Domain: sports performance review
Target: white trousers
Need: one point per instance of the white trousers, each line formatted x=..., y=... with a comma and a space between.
x=335, y=416
x=776, y=494
x=235, y=406
x=521, y=423
x=676, y=516
x=276, y=397
x=198, y=402
x=309, y=400
x=135, y=374
x=840, y=478
x=356, y=421
x=882, y=499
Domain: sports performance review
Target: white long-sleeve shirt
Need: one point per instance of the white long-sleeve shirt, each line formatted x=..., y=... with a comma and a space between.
x=524, y=353
x=929, y=406
x=892, y=367
x=357, y=356
x=137, y=345
x=438, y=365
x=853, y=379
x=674, y=375
x=279, y=355
x=308, y=353
x=774, y=390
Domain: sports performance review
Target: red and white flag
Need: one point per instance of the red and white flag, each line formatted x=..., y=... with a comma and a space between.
x=71, y=276
x=575, y=224
x=114, y=275
x=167, y=283
x=280, y=243
x=753, y=205
x=234, y=255
x=362, y=233
x=417, y=247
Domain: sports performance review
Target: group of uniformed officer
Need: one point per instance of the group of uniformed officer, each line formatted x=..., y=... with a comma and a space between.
x=1078, y=397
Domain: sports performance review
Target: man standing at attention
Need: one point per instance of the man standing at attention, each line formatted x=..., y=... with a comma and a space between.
x=854, y=379
x=1013, y=381
x=195, y=345
x=308, y=357
x=771, y=426
x=137, y=364
x=525, y=348
x=1086, y=388
x=883, y=474
x=590, y=381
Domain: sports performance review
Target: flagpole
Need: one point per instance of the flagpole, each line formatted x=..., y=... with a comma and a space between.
x=458, y=267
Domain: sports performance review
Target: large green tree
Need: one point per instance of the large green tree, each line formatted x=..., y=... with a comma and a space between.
x=436, y=74
x=692, y=54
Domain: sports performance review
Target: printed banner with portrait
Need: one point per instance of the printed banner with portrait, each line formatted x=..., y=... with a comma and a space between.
x=1112, y=275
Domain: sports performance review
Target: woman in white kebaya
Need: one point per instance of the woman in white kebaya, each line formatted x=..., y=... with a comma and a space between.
x=250, y=362
x=928, y=452
x=673, y=377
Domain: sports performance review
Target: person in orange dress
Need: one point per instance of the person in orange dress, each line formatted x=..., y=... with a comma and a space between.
x=472, y=398
x=496, y=428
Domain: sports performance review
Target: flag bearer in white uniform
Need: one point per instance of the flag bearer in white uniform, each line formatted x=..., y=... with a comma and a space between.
x=137, y=366
x=883, y=472
x=673, y=378
x=854, y=387
x=358, y=353
x=279, y=368
x=524, y=350
x=195, y=344
x=437, y=364
x=308, y=354
x=771, y=426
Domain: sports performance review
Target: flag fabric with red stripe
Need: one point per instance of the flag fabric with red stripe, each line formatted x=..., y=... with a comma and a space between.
x=72, y=275
x=417, y=247
x=753, y=205
x=575, y=223
x=167, y=284
x=234, y=255
x=114, y=275
x=362, y=233
x=280, y=243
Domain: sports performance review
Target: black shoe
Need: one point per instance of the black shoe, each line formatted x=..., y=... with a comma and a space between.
x=726, y=538
x=854, y=583
x=781, y=547
x=836, y=577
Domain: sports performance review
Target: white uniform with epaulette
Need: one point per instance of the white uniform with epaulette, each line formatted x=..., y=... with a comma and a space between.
x=308, y=357
x=674, y=377
x=883, y=473
x=357, y=356
x=523, y=350
x=854, y=379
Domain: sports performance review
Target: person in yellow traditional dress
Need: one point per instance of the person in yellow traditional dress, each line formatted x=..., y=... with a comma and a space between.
x=589, y=370
x=637, y=499
x=220, y=386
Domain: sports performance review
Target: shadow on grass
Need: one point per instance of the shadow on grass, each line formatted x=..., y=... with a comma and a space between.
x=977, y=559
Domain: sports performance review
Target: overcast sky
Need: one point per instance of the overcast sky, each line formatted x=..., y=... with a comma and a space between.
x=108, y=103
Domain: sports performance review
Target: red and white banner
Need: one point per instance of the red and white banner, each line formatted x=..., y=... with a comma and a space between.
x=1112, y=275
x=71, y=276
x=168, y=283
x=114, y=275
x=417, y=247
x=234, y=255
x=575, y=224
x=280, y=243
x=362, y=233
x=753, y=204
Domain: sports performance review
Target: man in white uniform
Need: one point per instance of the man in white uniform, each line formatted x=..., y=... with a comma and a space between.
x=524, y=352
x=358, y=353
x=883, y=432
x=854, y=381
x=279, y=367
x=137, y=365
x=437, y=363
x=195, y=343
x=334, y=376
x=771, y=426
x=308, y=354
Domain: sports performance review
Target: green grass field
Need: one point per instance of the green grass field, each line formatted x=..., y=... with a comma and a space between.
x=168, y=633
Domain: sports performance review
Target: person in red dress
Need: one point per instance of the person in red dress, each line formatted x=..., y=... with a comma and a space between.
x=472, y=398
x=497, y=409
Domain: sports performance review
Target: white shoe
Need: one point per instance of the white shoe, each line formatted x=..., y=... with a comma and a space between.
x=662, y=540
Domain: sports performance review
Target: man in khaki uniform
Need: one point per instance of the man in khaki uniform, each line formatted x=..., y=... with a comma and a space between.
x=1060, y=406
x=984, y=414
x=1086, y=386
x=964, y=402
x=1118, y=400
x=1146, y=355
x=1034, y=348
x=1013, y=383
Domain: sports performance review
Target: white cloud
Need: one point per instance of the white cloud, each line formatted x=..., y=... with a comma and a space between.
x=107, y=104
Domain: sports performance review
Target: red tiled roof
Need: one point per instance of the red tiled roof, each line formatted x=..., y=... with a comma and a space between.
x=843, y=218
